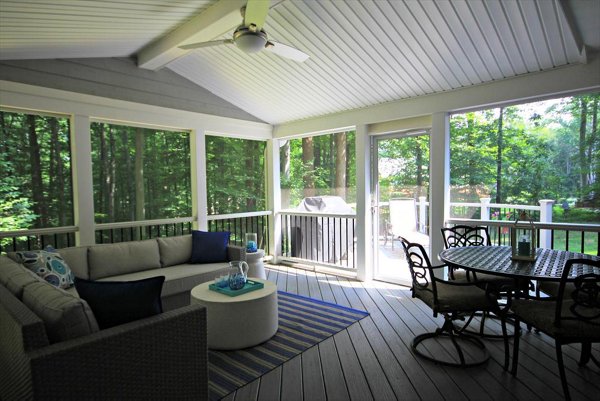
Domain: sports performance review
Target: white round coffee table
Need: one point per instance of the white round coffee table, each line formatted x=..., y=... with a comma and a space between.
x=242, y=321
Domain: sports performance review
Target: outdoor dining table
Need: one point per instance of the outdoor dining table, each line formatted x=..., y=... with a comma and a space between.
x=496, y=260
x=548, y=265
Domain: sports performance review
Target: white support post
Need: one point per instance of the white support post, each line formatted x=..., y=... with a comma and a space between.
x=364, y=220
x=545, y=217
x=274, y=197
x=485, y=208
x=198, y=170
x=439, y=200
x=83, y=186
x=422, y=213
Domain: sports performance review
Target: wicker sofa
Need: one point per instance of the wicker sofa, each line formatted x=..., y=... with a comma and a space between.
x=51, y=347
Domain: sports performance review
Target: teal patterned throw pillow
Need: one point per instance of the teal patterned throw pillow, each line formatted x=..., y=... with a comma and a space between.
x=49, y=265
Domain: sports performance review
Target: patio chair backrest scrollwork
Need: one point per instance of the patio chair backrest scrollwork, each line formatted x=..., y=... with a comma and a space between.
x=461, y=235
x=420, y=268
x=582, y=297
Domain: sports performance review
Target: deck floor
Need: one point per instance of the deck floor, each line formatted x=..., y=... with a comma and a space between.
x=372, y=360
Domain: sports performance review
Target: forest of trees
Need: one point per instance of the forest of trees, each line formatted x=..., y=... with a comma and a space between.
x=514, y=154
x=318, y=165
x=520, y=155
x=235, y=175
x=139, y=173
x=35, y=171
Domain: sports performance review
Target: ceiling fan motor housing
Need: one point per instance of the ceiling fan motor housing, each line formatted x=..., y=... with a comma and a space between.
x=249, y=41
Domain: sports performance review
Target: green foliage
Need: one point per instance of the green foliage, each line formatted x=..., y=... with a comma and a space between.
x=165, y=173
x=549, y=155
x=235, y=175
x=33, y=197
x=322, y=168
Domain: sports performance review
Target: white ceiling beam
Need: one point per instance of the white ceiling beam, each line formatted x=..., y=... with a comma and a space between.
x=220, y=18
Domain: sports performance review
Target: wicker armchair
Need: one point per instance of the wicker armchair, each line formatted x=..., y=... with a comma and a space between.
x=157, y=358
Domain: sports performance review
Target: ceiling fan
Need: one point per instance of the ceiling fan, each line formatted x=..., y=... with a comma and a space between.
x=250, y=37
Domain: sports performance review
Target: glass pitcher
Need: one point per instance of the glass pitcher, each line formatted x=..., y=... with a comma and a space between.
x=238, y=274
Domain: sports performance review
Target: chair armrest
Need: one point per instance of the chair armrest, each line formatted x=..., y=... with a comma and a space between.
x=235, y=252
x=160, y=357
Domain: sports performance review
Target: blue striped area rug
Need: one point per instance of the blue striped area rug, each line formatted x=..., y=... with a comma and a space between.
x=303, y=322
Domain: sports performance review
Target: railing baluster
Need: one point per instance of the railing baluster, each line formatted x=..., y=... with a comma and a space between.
x=566, y=240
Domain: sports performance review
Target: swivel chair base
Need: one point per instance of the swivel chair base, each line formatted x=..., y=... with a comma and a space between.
x=456, y=337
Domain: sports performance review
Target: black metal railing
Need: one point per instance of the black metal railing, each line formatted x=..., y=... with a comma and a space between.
x=327, y=239
x=238, y=226
x=26, y=240
x=133, y=231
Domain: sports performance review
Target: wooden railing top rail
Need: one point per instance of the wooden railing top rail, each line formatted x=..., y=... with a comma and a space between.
x=497, y=205
x=39, y=231
x=143, y=223
x=239, y=215
x=537, y=224
x=293, y=212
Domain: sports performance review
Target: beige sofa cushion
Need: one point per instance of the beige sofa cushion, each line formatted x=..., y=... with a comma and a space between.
x=64, y=315
x=77, y=259
x=175, y=250
x=122, y=258
x=179, y=278
x=14, y=276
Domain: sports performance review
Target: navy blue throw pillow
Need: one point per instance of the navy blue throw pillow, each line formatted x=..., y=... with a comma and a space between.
x=209, y=247
x=119, y=302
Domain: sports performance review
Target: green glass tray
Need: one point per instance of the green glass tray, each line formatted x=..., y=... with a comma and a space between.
x=248, y=287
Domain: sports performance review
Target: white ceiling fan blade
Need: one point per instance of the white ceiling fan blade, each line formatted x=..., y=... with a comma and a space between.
x=206, y=44
x=286, y=51
x=256, y=13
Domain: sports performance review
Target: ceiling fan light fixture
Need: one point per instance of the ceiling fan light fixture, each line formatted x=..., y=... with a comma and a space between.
x=248, y=41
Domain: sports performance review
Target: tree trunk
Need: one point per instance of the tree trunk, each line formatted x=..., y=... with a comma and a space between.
x=284, y=166
x=582, y=147
x=419, y=162
x=140, y=212
x=592, y=138
x=111, y=176
x=470, y=161
x=340, y=164
x=251, y=182
x=308, y=159
x=102, y=196
x=57, y=175
x=500, y=145
x=37, y=188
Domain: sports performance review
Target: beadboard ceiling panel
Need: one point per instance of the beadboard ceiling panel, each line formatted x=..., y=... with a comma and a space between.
x=35, y=29
x=362, y=53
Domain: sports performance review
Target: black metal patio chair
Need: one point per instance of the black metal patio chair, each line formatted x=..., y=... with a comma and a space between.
x=463, y=235
x=454, y=301
x=572, y=317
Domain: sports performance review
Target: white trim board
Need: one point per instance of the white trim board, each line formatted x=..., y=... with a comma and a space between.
x=29, y=97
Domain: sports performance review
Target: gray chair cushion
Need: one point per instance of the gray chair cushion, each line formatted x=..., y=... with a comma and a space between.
x=122, y=258
x=540, y=314
x=551, y=287
x=175, y=250
x=467, y=298
x=77, y=258
x=65, y=316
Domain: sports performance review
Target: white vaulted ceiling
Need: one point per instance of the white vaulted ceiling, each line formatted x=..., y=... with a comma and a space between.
x=362, y=53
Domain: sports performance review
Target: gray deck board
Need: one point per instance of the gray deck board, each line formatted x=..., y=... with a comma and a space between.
x=372, y=360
